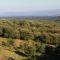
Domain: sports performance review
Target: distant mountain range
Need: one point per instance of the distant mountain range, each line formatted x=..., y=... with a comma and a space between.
x=33, y=13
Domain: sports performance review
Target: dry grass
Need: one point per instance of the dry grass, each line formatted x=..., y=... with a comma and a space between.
x=6, y=53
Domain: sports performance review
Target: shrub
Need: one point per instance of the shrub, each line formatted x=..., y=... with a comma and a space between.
x=10, y=42
x=7, y=32
x=41, y=38
x=49, y=50
x=26, y=36
x=29, y=50
x=1, y=31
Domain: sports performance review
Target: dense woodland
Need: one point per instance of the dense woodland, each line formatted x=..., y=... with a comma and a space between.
x=30, y=38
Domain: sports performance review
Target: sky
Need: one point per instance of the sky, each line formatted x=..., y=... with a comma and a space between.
x=28, y=5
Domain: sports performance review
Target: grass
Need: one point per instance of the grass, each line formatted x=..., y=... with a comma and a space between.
x=6, y=51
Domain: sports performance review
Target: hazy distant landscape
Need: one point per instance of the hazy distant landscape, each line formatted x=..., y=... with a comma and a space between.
x=54, y=12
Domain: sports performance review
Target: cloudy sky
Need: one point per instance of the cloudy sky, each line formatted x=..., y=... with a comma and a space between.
x=28, y=5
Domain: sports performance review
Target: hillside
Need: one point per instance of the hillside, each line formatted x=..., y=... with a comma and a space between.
x=27, y=39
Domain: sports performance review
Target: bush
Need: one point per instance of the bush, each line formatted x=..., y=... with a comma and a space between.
x=26, y=36
x=41, y=38
x=1, y=31
x=29, y=50
x=49, y=50
x=7, y=32
x=10, y=42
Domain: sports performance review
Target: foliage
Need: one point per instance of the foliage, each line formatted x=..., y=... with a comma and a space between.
x=44, y=31
x=30, y=37
x=10, y=42
x=26, y=35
